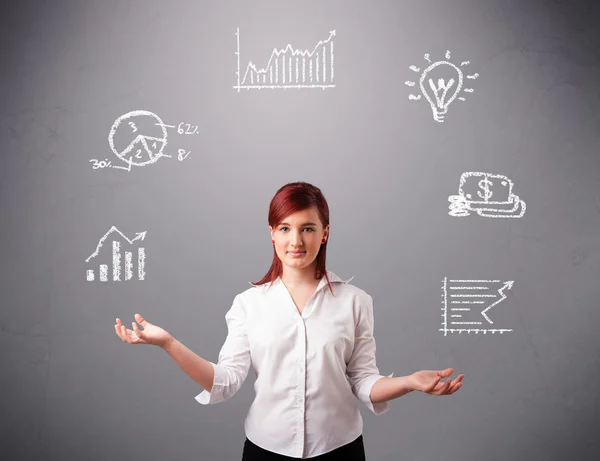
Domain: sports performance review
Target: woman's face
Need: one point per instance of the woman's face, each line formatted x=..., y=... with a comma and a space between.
x=300, y=232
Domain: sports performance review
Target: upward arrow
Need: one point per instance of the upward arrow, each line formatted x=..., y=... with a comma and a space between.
x=138, y=236
x=507, y=286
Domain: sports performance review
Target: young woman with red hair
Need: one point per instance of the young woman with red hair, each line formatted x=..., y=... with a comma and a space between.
x=308, y=335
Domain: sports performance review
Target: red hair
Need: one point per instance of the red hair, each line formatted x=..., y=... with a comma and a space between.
x=289, y=199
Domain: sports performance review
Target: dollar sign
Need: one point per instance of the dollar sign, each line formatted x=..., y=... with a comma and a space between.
x=485, y=184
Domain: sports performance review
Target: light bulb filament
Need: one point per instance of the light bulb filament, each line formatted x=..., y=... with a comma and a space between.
x=441, y=86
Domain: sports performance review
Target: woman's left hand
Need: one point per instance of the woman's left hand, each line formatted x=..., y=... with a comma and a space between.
x=429, y=381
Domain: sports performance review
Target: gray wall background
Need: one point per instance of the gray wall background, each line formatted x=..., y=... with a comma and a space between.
x=71, y=390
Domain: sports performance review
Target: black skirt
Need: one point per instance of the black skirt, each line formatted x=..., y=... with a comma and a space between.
x=353, y=451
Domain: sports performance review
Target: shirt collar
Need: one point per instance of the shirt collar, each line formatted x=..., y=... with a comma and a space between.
x=332, y=278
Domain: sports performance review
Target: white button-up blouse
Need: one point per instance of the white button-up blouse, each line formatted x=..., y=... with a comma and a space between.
x=308, y=367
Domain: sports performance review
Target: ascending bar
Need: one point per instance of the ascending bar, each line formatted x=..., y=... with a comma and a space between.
x=141, y=263
x=90, y=275
x=331, y=54
x=128, y=266
x=116, y=260
x=297, y=79
x=303, y=69
x=103, y=272
x=324, y=64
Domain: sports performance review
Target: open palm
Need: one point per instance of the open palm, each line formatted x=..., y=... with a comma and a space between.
x=151, y=334
x=430, y=382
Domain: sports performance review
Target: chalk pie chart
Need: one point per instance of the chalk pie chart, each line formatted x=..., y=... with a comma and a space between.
x=138, y=137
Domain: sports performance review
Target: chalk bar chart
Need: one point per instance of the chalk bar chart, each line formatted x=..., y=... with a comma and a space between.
x=290, y=68
x=116, y=262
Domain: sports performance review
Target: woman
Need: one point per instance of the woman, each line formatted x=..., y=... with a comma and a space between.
x=309, y=336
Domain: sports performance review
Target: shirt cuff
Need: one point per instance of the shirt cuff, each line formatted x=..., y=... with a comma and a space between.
x=216, y=394
x=365, y=393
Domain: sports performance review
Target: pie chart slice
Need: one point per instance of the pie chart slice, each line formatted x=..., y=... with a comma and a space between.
x=154, y=146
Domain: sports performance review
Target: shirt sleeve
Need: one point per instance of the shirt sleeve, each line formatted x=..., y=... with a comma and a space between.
x=362, y=370
x=234, y=359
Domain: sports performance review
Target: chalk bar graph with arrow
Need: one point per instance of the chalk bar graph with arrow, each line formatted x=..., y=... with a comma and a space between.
x=467, y=305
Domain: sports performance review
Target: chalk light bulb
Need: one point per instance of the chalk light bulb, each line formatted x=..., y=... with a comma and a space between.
x=440, y=96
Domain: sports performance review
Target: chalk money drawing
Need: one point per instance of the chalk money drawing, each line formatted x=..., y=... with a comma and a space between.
x=139, y=138
x=290, y=68
x=440, y=83
x=470, y=303
x=128, y=267
x=489, y=195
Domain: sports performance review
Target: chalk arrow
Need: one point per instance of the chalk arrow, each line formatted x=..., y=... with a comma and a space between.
x=507, y=285
x=138, y=236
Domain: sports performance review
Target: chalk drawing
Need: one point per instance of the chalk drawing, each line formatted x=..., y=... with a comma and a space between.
x=139, y=138
x=117, y=266
x=489, y=195
x=290, y=68
x=470, y=300
x=449, y=78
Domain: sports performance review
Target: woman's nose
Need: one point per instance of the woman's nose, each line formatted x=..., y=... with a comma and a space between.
x=296, y=238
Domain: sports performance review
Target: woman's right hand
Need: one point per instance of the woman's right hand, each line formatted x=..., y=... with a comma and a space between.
x=152, y=334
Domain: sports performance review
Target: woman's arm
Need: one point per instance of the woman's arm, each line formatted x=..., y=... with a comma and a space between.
x=231, y=370
x=362, y=368
x=386, y=388
x=427, y=381
x=197, y=368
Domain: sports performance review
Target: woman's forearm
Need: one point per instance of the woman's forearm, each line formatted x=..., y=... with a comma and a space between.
x=386, y=388
x=197, y=368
